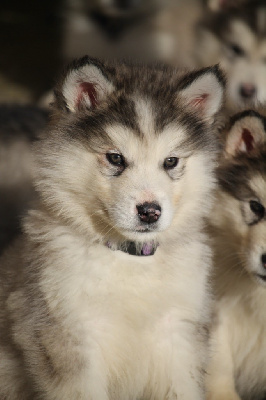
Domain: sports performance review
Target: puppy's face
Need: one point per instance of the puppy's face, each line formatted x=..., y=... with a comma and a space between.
x=141, y=177
x=142, y=182
x=129, y=163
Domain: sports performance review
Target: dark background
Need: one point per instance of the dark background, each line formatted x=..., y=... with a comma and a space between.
x=30, y=42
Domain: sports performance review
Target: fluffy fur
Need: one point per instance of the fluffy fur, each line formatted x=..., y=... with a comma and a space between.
x=238, y=226
x=79, y=318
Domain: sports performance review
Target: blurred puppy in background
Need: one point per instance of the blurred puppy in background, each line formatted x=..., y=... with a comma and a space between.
x=238, y=229
x=235, y=36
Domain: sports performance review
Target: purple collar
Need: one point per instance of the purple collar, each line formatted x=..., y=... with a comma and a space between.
x=135, y=249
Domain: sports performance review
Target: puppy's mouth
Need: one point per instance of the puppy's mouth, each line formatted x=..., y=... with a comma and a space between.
x=146, y=228
x=141, y=233
x=143, y=230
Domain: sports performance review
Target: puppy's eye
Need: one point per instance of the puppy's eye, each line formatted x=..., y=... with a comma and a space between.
x=170, y=162
x=236, y=49
x=257, y=208
x=115, y=159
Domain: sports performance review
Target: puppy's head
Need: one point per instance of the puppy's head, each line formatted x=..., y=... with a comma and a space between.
x=242, y=174
x=132, y=151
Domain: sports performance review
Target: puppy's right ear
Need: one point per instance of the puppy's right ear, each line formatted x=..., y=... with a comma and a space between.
x=203, y=91
x=86, y=85
x=246, y=133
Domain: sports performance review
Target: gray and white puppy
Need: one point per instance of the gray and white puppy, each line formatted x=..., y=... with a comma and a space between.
x=106, y=296
x=236, y=38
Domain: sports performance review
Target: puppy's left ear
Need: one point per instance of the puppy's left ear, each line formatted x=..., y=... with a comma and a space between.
x=87, y=83
x=203, y=91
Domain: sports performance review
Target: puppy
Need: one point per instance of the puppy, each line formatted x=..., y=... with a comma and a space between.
x=105, y=296
x=235, y=36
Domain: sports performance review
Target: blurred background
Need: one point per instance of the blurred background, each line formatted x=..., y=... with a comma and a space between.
x=38, y=37
x=31, y=43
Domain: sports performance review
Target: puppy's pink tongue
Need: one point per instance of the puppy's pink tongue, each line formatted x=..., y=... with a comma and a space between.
x=147, y=249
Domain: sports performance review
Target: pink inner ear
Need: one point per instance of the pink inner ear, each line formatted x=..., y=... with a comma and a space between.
x=199, y=102
x=248, y=139
x=88, y=89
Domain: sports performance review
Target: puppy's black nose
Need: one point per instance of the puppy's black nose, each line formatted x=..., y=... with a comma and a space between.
x=263, y=260
x=149, y=212
x=247, y=90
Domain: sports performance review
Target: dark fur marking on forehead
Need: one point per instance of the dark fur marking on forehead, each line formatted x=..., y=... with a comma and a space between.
x=169, y=112
x=122, y=111
x=91, y=127
x=247, y=113
x=91, y=132
x=165, y=107
x=165, y=114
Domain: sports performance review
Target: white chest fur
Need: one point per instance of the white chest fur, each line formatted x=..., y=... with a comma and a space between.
x=132, y=317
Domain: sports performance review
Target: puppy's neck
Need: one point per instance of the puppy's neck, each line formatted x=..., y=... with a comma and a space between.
x=134, y=248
